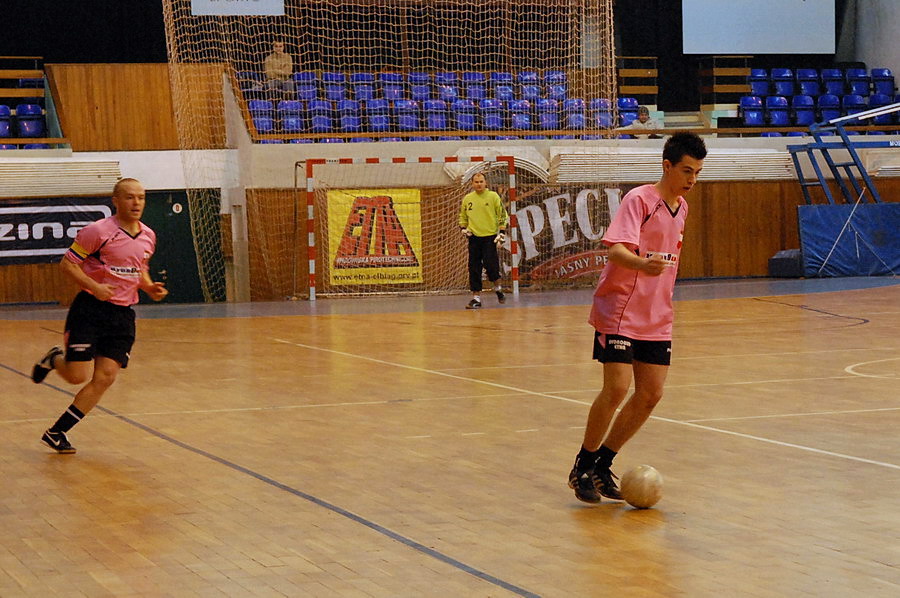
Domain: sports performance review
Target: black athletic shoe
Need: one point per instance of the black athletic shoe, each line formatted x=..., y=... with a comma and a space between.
x=583, y=485
x=58, y=442
x=605, y=482
x=45, y=365
x=500, y=296
x=473, y=304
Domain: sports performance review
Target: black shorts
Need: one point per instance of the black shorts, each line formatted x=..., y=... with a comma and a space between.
x=95, y=327
x=621, y=349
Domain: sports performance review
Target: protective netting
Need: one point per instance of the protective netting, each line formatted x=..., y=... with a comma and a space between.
x=377, y=70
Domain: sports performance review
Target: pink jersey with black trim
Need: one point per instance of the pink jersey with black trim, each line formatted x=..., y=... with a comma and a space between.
x=110, y=255
x=629, y=302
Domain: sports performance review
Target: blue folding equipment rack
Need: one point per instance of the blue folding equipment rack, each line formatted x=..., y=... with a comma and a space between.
x=840, y=170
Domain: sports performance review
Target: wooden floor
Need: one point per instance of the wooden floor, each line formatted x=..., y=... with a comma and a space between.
x=425, y=451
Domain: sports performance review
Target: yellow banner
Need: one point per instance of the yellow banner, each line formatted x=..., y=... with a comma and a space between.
x=374, y=236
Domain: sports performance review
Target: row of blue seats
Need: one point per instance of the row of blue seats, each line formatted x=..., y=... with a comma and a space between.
x=28, y=146
x=321, y=116
x=813, y=82
x=418, y=86
x=29, y=121
x=804, y=110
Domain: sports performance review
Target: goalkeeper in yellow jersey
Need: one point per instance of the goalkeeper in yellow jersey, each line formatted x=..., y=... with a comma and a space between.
x=483, y=220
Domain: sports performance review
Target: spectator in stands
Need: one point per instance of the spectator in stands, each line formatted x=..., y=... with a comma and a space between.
x=644, y=122
x=483, y=221
x=279, y=69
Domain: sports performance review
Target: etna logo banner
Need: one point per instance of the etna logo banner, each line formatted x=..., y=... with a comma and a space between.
x=40, y=231
x=375, y=236
x=560, y=230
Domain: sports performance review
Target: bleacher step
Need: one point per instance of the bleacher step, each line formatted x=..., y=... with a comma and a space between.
x=684, y=120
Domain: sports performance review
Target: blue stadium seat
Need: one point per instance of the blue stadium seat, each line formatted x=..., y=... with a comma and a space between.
x=475, y=85
x=320, y=117
x=795, y=134
x=883, y=81
x=419, y=86
x=407, y=115
x=804, y=110
x=520, y=114
x=530, y=93
x=770, y=134
x=391, y=139
x=363, y=86
x=491, y=114
x=349, y=116
x=7, y=146
x=271, y=141
x=419, y=139
x=808, y=82
x=782, y=82
x=777, y=111
x=628, y=110
x=877, y=100
x=30, y=146
x=505, y=93
x=751, y=110
x=307, y=85
x=574, y=113
x=464, y=115
x=261, y=112
x=290, y=115
x=5, y=121
x=759, y=82
x=529, y=85
x=447, y=86
x=331, y=140
x=548, y=113
x=361, y=140
x=390, y=86
x=833, y=81
x=334, y=86
x=501, y=78
x=378, y=115
x=601, y=113
x=829, y=106
x=555, y=85
x=435, y=114
x=858, y=82
x=851, y=104
x=479, y=138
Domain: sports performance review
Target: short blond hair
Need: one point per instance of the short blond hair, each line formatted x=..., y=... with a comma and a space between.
x=122, y=182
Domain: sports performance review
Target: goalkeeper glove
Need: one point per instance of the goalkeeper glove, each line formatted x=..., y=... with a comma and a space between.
x=500, y=239
x=466, y=232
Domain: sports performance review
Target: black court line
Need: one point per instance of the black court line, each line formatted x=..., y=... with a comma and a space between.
x=409, y=542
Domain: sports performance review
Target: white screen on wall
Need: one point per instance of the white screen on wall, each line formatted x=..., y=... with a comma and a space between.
x=758, y=26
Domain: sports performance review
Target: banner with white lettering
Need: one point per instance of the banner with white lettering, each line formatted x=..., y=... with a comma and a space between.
x=247, y=8
x=39, y=231
x=560, y=228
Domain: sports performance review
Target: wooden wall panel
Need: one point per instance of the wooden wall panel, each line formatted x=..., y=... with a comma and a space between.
x=125, y=107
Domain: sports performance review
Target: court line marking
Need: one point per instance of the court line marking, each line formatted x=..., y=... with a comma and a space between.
x=549, y=396
x=384, y=531
x=851, y=369
x=776, y=415
x=675, y=359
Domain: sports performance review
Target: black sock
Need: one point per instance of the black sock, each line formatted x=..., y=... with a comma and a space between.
x=585, y=460
x=605, y=456
x=68, y=419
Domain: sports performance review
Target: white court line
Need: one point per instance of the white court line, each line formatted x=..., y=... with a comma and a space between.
x=549, y=396
x=679, y=358
x=851, y=369
x=778, y=442
x=776, y=415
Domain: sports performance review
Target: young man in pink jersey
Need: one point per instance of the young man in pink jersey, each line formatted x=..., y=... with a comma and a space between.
x=632, y=313
x=109, y=260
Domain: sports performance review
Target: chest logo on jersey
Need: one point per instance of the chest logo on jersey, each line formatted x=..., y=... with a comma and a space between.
x=670, y=258
x=125, y=271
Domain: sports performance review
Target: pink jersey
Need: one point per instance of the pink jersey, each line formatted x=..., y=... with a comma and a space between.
x=629, y=302
x=110, y=255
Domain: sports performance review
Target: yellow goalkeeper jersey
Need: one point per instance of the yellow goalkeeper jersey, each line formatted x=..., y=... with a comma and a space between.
x=483, y=213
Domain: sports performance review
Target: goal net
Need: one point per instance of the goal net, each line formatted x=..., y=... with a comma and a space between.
x=557, y=50
x=390, y=225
